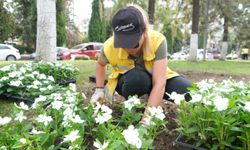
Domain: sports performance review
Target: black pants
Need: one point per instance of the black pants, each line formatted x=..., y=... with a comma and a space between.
x=138, y=82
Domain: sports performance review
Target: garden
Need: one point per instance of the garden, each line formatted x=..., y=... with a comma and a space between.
x=43, y=108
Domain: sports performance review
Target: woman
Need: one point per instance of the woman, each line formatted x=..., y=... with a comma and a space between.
x=138, y=59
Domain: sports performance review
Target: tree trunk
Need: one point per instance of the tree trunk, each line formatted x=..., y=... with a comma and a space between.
x=194, y=35
x=225, y=39
x=46, y=30
x=206, y=29
x=151, y=12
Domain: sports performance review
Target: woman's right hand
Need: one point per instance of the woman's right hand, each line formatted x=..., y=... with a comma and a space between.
x=98, y=94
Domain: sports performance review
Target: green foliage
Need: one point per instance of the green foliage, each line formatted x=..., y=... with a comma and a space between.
x=167, y=32
x=7, y=23
x=96, y=26
x=24, y=49
x=60, y=23
x=26, y=14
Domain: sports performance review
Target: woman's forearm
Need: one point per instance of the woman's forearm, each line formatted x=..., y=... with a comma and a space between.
x=156, y=95
x=100, y=74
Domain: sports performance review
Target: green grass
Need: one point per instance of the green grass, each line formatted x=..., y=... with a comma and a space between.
x=226, y=67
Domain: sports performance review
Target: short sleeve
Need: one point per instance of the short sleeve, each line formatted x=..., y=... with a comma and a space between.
x=161, y=52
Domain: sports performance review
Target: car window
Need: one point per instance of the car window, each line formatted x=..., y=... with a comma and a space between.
x=77, y=47
x=4, y=47
x=99, y=47
x=89, y=47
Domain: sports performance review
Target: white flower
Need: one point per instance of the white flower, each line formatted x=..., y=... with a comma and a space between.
x=3, y=148
x=130, y=103
x=156, y=112
x=20, y=117
x=6, y=68
x=35, y=73
x=42, y=76
x=37, y=83
x=23, y=140
x=72, y=87
x=106, y=109
x=41, y=98
x=12, y=74
x=34, y=131
x=72, y=136
x=204, y=85
x=22, y=69
x=57, y=104
x=22, y=106
x=101, y=118
x=196, y=98
x=247, y=106
x=4, y=120
x=220, y=103
x=16, y=83
x=100, y=146
x=51, y=78
x=70, y=99
x=176, y=97
x=103, y=113
x=76, y=119
x=43, y=89
x=50, y=87
x=44, y=119
x=57, y=96
x=30, y=75
x=4, y=78
x=131, y=135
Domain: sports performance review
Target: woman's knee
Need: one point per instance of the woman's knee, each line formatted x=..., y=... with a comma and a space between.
x=134, y=82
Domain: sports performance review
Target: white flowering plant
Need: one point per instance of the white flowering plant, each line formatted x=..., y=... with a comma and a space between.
x=218, y=116
x=34, y=79
x=61, y=72
x=64, y=123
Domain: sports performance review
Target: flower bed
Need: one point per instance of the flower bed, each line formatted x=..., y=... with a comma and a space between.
x=34, y=79
x=64, y=123
x=217, y=117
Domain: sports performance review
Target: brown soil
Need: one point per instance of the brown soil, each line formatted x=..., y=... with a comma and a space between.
x=166, y=140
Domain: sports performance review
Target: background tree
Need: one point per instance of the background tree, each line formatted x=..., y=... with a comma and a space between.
x=60, y=22
x=96, y=26
x=194, y=35
x=7, y=22
x=26, y=14
x=151, y=12
x=46, y=30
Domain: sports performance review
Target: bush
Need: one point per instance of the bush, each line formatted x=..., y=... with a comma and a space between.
x=23, y=49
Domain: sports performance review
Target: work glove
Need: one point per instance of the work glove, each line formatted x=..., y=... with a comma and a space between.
x=98, y=95
x=146, y=118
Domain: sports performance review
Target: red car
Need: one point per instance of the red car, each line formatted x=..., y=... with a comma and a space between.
x=92, y=50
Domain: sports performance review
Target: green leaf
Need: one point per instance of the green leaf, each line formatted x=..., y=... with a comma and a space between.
x=191, y=130
x=237, y=129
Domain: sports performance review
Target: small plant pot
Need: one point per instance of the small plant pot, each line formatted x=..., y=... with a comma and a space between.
x=12, y=98
x=93, y=79
x=66, y=83
x=186, y=146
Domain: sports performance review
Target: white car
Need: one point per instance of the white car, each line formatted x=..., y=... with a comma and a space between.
x=179, y=56
x=9, y=53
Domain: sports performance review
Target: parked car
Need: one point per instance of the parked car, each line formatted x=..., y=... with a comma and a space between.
x=91, y=49
x=58, y=50
x=9, y=53
x=179, y=56
x=232, y=56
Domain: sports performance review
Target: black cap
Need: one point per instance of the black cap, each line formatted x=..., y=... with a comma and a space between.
x=128, y=26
